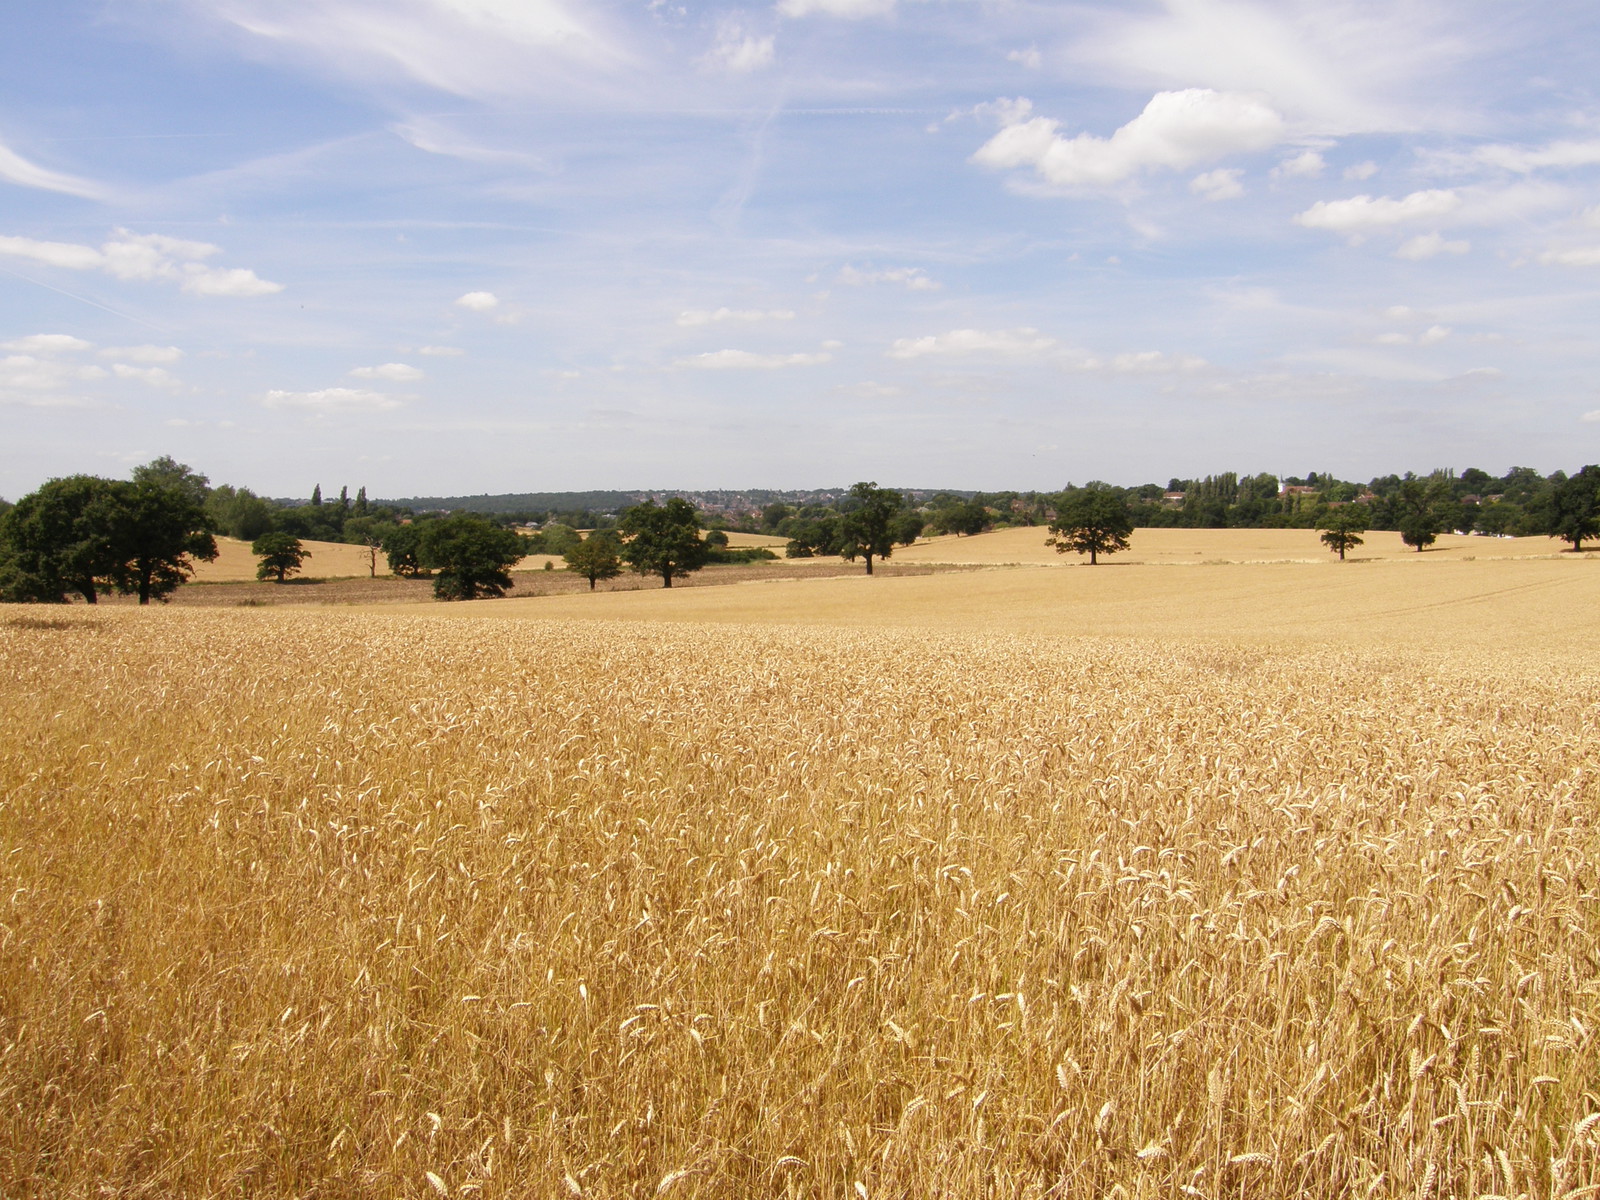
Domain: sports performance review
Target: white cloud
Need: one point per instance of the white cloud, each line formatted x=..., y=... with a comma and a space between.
x=914, y=278
x=479, y=301
x=1175, y=130
x=394, y=372
x=435, y=137
x=1148, y=362
x=719, y=360
x=47, y=343
x=1427, y=245
x=1006, y=343
x=701, y=316
x=737, y=51
x=1360, y=214
x=1434, y=334
x=1576, y=256
x=850, y=10
x=43, y=374
x=1029, y=58
x=154, y=376
x=150, y=256
x=16, y=169
x=441, y=351
x=1308, y=164
x=1361, y=171
x=1221, y=184
x=1525, y=160
x=143, y=354
x=336, y=399
x=480, y=48
x=1592, y=415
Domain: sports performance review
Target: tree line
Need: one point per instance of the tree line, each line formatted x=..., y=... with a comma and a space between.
x=85, y=536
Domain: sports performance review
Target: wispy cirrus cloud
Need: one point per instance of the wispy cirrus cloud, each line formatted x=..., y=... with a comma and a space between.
x=394, y=372
x=18, y=170
x=713, y=316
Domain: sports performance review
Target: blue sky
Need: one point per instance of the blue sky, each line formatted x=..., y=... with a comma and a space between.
x=451, y=246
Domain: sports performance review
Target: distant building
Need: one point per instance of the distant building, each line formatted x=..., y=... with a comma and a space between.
x=1172, y=499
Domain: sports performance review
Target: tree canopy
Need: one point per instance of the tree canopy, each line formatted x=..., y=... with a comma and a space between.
x=281, y=554
x=663, y=540
x=1570, y=508
x=1092, y=520
x=1342, y=529
x=471, y=556
x=867, y=528
x=596, y=557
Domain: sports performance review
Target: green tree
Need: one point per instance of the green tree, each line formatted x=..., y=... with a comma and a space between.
x=867, y=529
x=1421, y=509
x=280, y=553
x=663, y=540
x=471, y=555
x=908, y=528
x=1342, y=528
x=159, y=528
x=1570, y=508
x=1092, y=520
x=60, y=540
x=597, y=557
x=238, y=513
x=402, y=546
x=168, y=472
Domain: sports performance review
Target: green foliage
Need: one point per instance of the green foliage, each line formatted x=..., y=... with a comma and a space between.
x=1342, y=528
x=1091, y=520
x=369, y=532
x=1570, y=508
x=59, y=540
x=238, y=513
x=161, y=528
x=471, y=555
x=555, y=538
x=867, y=529
x=597, y=557
x=663, y=540
x=281, y=554
x=908, y=528
x=402, y=547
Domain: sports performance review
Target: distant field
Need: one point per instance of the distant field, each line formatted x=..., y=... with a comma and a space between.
x=1253, y=879
x=1027, y=545
x=329, y=560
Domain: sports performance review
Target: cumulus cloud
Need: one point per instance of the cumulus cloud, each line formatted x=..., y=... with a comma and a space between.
x=1176, y=130
x=1525, y=160
x=332, y=400
x=1574, y=256
x=33, y=373
x=701, y=316
x=1221, y=184
x=737, y=51
x=153, y=376
x=1361, y=214
x=1429, y=245
x=47, y=343
x=18, y=170
x=914, y=278
x=441, y=351
x=149, y=256
x=721, y=360
x=1029, y=58
x=394, y=372
x=143, y=354
x=1004, y=343
x=479, y=301
x=1361, y=171
x=850, y=10
x=1308, y=164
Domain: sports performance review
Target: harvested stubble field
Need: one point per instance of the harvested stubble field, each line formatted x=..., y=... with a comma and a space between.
x=336, y=903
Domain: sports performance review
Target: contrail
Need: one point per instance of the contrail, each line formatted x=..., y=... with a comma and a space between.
x=85, y=300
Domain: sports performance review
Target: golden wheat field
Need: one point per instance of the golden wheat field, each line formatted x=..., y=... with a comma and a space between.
x=812, y=889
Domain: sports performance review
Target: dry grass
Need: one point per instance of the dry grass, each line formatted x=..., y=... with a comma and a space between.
x=1190, y=546
x=345, y=904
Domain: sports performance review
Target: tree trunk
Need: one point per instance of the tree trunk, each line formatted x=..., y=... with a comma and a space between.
x=144, y=584
x=591, y=583
x=1341, y=553
x=666, y=579
x=1093, y=560
x=88, y=594
x=869, y=564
